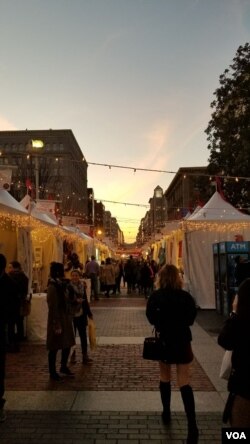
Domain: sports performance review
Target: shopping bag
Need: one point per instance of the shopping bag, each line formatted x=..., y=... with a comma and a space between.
x=92, y=334
x=226, y=365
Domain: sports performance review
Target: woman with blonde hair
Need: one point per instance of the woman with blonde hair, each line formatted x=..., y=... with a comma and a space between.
x=172, y=311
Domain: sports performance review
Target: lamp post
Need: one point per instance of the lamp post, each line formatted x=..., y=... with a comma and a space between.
x=34, y=147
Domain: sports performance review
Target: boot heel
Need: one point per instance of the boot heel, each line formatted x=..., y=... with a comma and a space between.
x=166, y=418
x=165, y=390
x=193, y=435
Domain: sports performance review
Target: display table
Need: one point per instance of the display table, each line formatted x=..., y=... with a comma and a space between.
x=36, y=322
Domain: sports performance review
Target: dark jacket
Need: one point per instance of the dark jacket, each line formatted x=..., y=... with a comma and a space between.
x=235, y=335
x=22, y=283
x=8, y=305
x=58, y=317
x=172, y=312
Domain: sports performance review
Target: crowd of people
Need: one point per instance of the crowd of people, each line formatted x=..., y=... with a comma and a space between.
x=170, y=309
x=137, y=275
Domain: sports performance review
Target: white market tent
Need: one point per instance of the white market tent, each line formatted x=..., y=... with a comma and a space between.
x=216, y=221
x=15, y=241
x=46, y=243
x=10, y=205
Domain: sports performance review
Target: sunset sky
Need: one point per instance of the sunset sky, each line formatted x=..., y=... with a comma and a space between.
x=133, y=79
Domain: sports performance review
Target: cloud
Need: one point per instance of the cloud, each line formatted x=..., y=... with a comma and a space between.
x=5, y=125
x=157, y=140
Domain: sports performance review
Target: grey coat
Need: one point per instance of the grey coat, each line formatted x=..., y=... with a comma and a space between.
x=58, y=317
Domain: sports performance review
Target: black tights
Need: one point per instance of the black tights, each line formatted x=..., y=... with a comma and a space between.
x=52, y=359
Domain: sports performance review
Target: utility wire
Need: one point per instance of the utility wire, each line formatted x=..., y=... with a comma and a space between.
x=124, y=203
x=188, y=173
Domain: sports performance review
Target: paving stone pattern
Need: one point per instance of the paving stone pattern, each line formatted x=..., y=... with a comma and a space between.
x=115, y=367
x=104, y=428
x=121, y=321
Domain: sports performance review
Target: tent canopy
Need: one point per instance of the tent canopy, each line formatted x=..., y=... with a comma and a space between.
x=9, y=204
x=218, y=209
x=216, y=221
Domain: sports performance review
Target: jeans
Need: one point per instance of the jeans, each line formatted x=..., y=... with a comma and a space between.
x=80, y=326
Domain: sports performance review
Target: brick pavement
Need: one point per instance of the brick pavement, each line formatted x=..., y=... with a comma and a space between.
x=104, y=428
x=116, y=367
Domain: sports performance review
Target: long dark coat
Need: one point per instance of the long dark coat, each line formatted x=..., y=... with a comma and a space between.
x=235, y=336
x=58, y=317
x=172, y=312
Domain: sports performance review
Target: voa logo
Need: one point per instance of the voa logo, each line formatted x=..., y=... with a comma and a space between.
x=236, y=435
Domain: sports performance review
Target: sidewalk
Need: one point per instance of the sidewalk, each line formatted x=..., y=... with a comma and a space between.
x=115, y=400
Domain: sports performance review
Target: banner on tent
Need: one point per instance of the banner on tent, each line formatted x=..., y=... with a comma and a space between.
x=46, y=206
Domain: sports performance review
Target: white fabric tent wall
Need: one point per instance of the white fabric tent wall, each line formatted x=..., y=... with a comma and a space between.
x=52, y=251
x=217, y=221
x=198, y=263
x=43, y=237
x=24, y=252
x=15, y=243
x=8, y=243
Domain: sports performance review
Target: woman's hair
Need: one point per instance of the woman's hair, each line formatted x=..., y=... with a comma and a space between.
x=243, y=306
x=75, y=271
x=56, y=270
x=15, y=264
x=169, y=277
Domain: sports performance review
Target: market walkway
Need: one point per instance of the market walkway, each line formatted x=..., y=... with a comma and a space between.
x=116, y=399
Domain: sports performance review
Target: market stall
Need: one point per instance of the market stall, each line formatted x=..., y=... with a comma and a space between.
x=216, y=221
x=15, y=229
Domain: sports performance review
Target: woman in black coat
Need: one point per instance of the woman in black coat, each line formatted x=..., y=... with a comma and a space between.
x=235, y=336
x=60, y=333
x=172, y=310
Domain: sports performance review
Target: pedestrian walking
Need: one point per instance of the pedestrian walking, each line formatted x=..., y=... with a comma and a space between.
x=109, y=273
x=129, y=272
x=73, y=263
x=22, y=282
x=145, y=278
x=121, y=276
x=81, y=311
x=92, y=270
x=172, y=310
x=60, y=333
x=7, y=313
x=235, y=336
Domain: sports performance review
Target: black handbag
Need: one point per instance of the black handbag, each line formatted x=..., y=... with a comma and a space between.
x=152, y=348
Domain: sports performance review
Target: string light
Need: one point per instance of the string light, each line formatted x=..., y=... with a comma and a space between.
x=222, y=176
x=135, y=169
x=221, y=226
x=226, y=178
x=124, y=203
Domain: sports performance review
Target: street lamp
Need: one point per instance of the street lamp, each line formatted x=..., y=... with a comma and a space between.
x=36, y=146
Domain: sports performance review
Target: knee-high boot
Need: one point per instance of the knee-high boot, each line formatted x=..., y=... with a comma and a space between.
x=52, y=362
x=165, y=390
x=189, y=406
x=65, y=357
